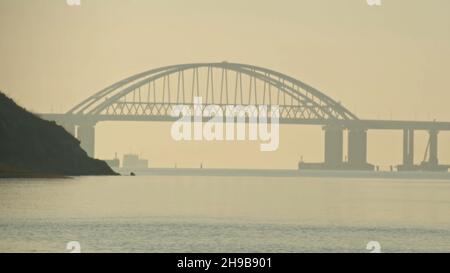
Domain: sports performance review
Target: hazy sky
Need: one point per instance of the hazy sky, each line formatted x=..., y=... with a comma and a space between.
x=380, y=62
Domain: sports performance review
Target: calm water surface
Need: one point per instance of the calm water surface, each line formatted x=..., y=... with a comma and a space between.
x=224, y=214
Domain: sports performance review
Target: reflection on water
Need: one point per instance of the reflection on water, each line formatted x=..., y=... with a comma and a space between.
x=224, y=214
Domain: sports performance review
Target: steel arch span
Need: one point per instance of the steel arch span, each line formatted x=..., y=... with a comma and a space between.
x=152, y=96
x=155, y=92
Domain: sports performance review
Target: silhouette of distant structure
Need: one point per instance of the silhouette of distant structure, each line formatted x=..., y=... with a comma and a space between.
x=114, y=163
x=132, y=161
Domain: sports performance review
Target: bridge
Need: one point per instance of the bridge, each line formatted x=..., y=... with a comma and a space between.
x=151, y=96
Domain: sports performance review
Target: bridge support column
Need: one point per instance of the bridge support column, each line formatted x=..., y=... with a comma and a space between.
x=333, y=146
x=357, y=149
x=86, y=135
x=408, y=149
x=433, y=160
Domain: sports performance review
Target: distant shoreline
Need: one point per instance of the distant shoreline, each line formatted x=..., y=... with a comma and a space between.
x=413, y=175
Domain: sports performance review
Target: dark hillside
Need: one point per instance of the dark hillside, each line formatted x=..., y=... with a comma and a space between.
x=31, y=146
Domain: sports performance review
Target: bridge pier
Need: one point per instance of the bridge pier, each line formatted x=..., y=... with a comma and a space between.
x=357, y=149
x=86, y=135
x=408, y=150
x=432, y=164
x=333, y=146
x=433, y=160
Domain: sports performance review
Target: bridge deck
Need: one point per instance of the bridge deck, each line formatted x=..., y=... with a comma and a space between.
x=365, y=124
